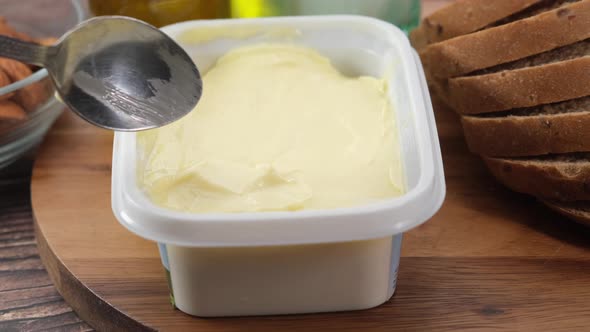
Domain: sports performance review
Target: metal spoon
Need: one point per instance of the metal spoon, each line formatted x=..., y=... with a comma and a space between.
x=116, y=72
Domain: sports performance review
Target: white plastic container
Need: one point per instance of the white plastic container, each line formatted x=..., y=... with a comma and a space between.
x=304, y=261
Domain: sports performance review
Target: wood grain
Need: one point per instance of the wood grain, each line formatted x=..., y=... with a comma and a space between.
x=28, y=299
x=491, y=259
x=519, y=267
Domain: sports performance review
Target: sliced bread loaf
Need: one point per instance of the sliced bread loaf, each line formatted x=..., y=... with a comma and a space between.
x=556, y=177
x=523, y=87
x=548, y=30
x=465, y=16
x=578, y=211
x=553, y=128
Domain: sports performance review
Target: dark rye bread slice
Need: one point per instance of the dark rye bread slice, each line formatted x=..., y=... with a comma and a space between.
x=556, y=177
x=536, y=9
x=567, y=52
x=553, y=128
x=461, y=55
x=577, y=211
x=418, y=38
x=466, y=16
x=539, y=79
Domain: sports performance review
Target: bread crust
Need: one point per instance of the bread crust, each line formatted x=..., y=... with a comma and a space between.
x=576, y=211
x=517, y=136
x=549, y=179
x=490, y=47
x=460, y=47
x=418, y=38
x=465, y=16
x=525, y=87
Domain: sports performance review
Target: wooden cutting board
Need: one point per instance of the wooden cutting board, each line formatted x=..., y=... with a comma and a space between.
x=490, y=259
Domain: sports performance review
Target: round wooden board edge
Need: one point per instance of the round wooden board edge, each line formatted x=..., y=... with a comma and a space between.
x=88, y=305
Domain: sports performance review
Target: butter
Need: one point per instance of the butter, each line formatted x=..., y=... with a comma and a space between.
x=208, y=34
x=278, y=128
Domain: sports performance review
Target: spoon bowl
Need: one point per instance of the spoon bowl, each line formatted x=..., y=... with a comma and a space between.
x=117, y=72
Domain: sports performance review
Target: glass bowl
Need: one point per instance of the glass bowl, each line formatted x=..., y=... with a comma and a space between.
x=38, y=19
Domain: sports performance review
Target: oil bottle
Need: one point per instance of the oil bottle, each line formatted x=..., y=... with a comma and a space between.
x=162, y=12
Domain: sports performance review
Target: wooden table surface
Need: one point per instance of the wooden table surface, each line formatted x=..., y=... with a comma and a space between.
x=28, y=299
x=552, y=253
x=490, y=259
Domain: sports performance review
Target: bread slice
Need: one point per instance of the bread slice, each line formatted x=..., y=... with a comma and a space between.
x=536, y=9
x=463, y=17
x=577, y=211
x=556, y=177
x=563, y=53
x=418, y=38
x=462, y=55
x=524, y=87
x=553, y=128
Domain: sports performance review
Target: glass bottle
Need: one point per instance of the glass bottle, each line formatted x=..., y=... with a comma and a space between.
x=162, y=12
x=403, y=13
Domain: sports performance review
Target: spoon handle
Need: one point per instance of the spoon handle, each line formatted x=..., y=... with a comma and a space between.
x=23, y=51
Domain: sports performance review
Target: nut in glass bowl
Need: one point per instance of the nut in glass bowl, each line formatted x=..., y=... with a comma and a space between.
x=28, y=103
